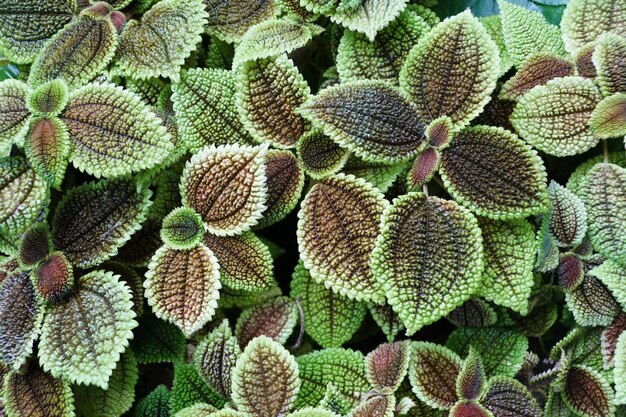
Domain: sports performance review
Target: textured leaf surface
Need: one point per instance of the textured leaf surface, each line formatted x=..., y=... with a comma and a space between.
x=47, y=147
x=387, y=320
x=620, y=370
x=608, y=57
x=339, y=222
x=189, y=389
x=83, y=336
x=554, y=117
x=138, y=251
x=320, y=156
x=609, y=339
x=587, y=393
x=275, y=319
x=265, y=379
x=567, y=216
x=155, y=404
x=182, y=286
x=14, y=112
x=370, y=118
x=54, y=277
x=49, y=99
x=36, y=244
x=157, y=341
x=591, y=303
x=473, y=313
x=536, y=70
x=381, y=175
x=608, y=120
x=612, y=275
x=182, y=229
x=387, y=365
x=376, y=406
x=367, y=17
x=452, y=71
x=230, y=19
x=585, y=20
x=470, y=383
x=506, y=397
x=428, y=257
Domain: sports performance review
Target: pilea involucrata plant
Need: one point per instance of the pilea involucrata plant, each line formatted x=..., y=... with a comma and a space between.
x=312, y=208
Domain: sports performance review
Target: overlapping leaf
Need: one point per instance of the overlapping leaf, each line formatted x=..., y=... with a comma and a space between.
x=585, y=20
x=474, y=312
x=587, y=393
x=387, y=320
x=387, y=365
x=189, y=388
x=367, y=17
x=155, y=404
x=378, y=405
x=609, y=339
x=506, y=395
x=381, y=175
x=157, y=341
x=182, y=229
x=607, y=58
x=275, y=319
x=567, y=216
x=49, y=98
x=230, y=19
x=591, y=303
x=620, y=370
x=320, y=156
x=36, y=244
x=54, y=277
x=14, y=112
x=47, y=147
x=470, y=383
x=612, y=276
x=608, y=120
x=536, y=70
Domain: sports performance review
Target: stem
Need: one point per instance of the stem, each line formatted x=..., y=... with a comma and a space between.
x=605, y=149
x=301, y=334
x=425, y=189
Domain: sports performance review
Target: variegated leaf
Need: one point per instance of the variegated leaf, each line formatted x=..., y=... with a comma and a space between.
x=535, y=70
x=387, y=365
x=275, y=319
x=230, y=19
x=367, y=17
x=320, y=156
x=585, y=20
x=14, y=113
x=587, y=393
x=35, y=245
x=506, y=397
x=182, y=229
x=608, y=119
x=567, y=216
x=607, y=58
x=47, y=146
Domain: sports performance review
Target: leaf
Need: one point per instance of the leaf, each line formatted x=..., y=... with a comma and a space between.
x=155, y=404
x=470, y=383
x=268, y=92
x=381, y=59
x=570, y=272
x=274, y=319
x=567, y=216
x=35, y=246
x=77, y=53
x=381, y=175
x=339, y=222
x=607, y=58
x=330, y=319
x=226, y=186
x=49, y=99
x=554, y=117
x=158, y=45
x=387, y=320
x=113, y=132
x=273, y=37
x=83, y=336
x=334, y=401
x=189, y=389
x=508, y=397
x=182, y=286
x=370, y=118
x=495, y=174
x=609, y=339
x=428, y=257
x=367, y=17
x=587, y=394
x=230, y=19
x=582, y=345
x=54, y=277
x=452, y=70
x=585, y=20
x=14, y=112
x=285, y=181
x=584, y=61
x=204, y=103
x=93, y=220
x=138, y=251
x=535, y=70
x=319, y=155
x=473, y=313
x=433, y=372
x=591, y=303
x=376, y=406
x=387, y=365
x=608, y=120
x=35, y=394
x=612, y=275
x=21, y=314
x=265, y=381
x=157, y=341
x=344, y=368
x=424, y=167
x=313, y=412
x=469, y=409
x=47, y=147
x=245, y=299
x=577, y=179
x=527, y=33
x=93, y=401
x=493, y=26
x=182, y=229
x=198, y=409
x=620, y=370
x=604, y=195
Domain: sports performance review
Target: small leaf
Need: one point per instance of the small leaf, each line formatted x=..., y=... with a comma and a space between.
x=266, y=379
x=370, y=118
x=182, y=229
x=381, y=175
x=387, y=320
x=230, y=19
x=452, y=70
x=335, y=401
x=554, y=117
x=536, y=70
x=339, y=222
x=49, y=98
x=387, y=365
x=433, y=372
x=473, y=313
x=591, y=303
x=83, y=336
x=157, y=341
x=182, y=286
x=506, y=397
x=428, y=257
x=585, y=20
x=376, y=406
x=54, y=277
x=570, y=272
x=36, y=244
x=189, y=389
x=587, y=394
x=47, y=147
x=320, y=156
x=330, y=319
x=158, y=45
x=584, y=61
x=470, y=384
x=424, y=167
x=567, y=216
x=367, y=17
x=155, y=404
x=275, y=319
x=608, y=56
x=14, y=112
x=608, y=119
x=93, y=220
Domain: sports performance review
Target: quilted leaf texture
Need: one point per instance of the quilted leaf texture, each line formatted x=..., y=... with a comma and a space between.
x=592, y=303
x=470, y=384
x=608, y=119
x=230, y=19
x=387, y=320
x=378, y=405
x=49, y=98
x=475, y=312
x=157, y=341
x=535, y=70
x=585, y=20
x=612, y=275
x=54, y=277
x=319, y=155
x=567, y=216
x=274, y=319
x=36, y=244
x=14, y=112
x=587, y=393
x=189, y=388
x=367, y=17
x=619, y=371
x=607, y=58
x=48, y=147
x=506, y=397
x=182, y=229
x=387, y=365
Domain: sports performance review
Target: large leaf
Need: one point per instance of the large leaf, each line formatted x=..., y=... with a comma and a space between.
x=452, y=70
x=428, y=257
x=339, y=223
x=14, y=113
x=156, y=341
x=587, y=393
x=230, y=19
x=83, y=336
x=608, y=56
x=275, y=319
x=367, y=17
x=506, y=397
x=585, y=20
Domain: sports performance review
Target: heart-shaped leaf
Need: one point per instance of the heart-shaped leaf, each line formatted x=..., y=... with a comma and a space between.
x=585, y=20
x=274, y=319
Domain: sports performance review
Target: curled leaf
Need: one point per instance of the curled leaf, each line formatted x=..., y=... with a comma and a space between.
x=567, y=216
x=275, y=319
x=47, y=147
x=587, y=393
x=535, y=70
x=182, y=229
x=387, y=365
x=320, y=156
x=608, y=119
x=585, y=20
x=230, y=19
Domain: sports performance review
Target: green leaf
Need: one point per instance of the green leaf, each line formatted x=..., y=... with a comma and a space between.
x=189, y=389
x=113, y=132
x=605, y=195
x=452, y=70
x=155, y=404
x=35, y=245
x=35, y=394
x=509, y=253
x=381, y=175
x=608, y=120
x=493, y=26
x=14, y=113
x=266, y=379
x=470, y=383
x=609, y=339
x=49, y=99
x=584, y=61
x=182, y=286
x=387, y=365
x=83, y=336
x=576, y=182
x=506, y=395
x=567, y=216
x=381, y=59
x=21, y=315
x=376, y=406
x=94, y=401
x=182, y=229
x=608, y=56
x=433, y=373
x=554, y=117
x=157, y=341
x=587, y=393
x=230, y=19
x=198, y=409
x=582, y=345
x=274, y=319
x=148, y=89
x=334, y=401
x=330, y=319
x=387, y=320
x=132, y=279
x=339, y=223
x=226, y=186
x=620, y=370
x=613, y=276
x=474, y=312
x=204, y=103
x=428, y=257
x=47, y=147
x=591, y=303
x=268, y=92
x=158, y=45
x=367, y=17
x=319, y=155
x=313, y=412
x=370, y=118
x=244, y=299
x=527, y=33
x=585, y=20
x=535, y=70
x=94, y=219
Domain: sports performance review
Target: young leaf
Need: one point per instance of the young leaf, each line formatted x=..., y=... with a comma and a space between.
x=319, y=155
x=584, y=61
x=585, y=20
x=452, y=70
x=83, y=336
x=230, y=19
x=329, y=318
x=536, y=70
x=49, y=99
x=387, y=320
x=554, y=117
x=182, y=229
x=367, y=17
x=93, y=220
x=54, y=277
x=381, y=175
x=35, y=246
x=428, y=257
x=587, y=394
x=473, y=313
x=424, y=167
x=113, y=132
x=274, y=319
x=468, y=409
x=182, y=286
x=339, y=222
x=266, y=379
x=268, y=91
x=157, y=341
x=433, y=373
x=470, y=384
x=334, y=401
x=14, y=112
x=570, y=272
x=506, y=397
x=567, y=216
x=376, y=406
x=189, y=389
x=155, y=404
x=387, y=365
x=582, y=345
x=608, y=56
x=591, y=303
x=370, y=118
x=21, y=314
x=158, y=45
x=608, y=119
x=47, y=147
